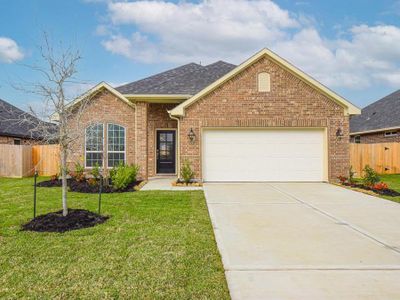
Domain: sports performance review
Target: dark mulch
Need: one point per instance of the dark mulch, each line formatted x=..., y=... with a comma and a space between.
x=56, y=222
x=85, y=187
x=384, y=192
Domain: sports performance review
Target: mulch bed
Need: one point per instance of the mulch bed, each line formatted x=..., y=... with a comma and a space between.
x=85, y=187
x=56, y=222
x=384, y=192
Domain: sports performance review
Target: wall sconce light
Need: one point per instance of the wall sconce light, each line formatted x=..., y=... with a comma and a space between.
x=192, y=136
x=339, y=133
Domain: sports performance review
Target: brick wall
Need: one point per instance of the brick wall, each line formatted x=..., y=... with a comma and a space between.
x=158, y=118
x=290, y=103
x=10, y=140
x=376, y=137
x=104, y=108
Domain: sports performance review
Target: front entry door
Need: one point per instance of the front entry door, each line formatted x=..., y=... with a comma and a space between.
x=166, y=152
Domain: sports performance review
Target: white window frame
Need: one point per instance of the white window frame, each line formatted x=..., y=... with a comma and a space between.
x=124, y=152
x=102, y=124
x=391, y=133
x=357, y=139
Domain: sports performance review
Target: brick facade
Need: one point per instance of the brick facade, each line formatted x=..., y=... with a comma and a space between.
x=377, y=137
x=236, y=103
x=104, y=108
x=10, y=140
x=290, y=103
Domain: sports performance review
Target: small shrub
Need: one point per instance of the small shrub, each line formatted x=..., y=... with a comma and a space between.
x=79, y=173
x=187, y=173
x=380, y=186
x=92, y=181
x=96, y=171
x=351, y=175
x=54, y=177
x=342, y=179
x=370, y=177
x=123, y=175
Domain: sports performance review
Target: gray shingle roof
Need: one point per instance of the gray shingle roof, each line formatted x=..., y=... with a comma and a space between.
x=384, y=113
x=17, y=123
x=187, y=79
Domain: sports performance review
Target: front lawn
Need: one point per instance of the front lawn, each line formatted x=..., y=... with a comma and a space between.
x=393, y=181
x=156, y=245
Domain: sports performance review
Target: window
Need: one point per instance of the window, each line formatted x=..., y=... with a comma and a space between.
x=357, y=139
x=390, y=133
x=115, y=145
x=94, y=145
x=17, y=142
x=263, y=82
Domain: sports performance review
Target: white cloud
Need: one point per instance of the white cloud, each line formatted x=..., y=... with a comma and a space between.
x=233, y=30
x=9, y=50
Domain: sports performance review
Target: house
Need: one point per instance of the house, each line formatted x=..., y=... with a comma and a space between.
x=18, y=127
x=263, y=120
x=379, y=122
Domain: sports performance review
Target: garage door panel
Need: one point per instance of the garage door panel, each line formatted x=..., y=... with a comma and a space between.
x=263, y=155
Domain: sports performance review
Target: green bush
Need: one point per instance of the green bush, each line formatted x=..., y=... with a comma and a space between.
x=187, y=173
x=370, y=177
x=123, y=175
x=351, y=175
x=96, y=171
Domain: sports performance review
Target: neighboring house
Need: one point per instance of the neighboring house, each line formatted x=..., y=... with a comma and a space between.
x=264, y=120
x=379, y=122
x=18, y=127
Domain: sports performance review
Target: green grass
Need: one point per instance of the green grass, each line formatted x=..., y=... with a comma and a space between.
x=393, y=181
x=156, y=245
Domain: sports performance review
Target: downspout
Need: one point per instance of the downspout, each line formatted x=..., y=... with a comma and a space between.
x=178, y=154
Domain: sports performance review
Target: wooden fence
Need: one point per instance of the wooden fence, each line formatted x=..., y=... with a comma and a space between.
x=383, y=158
x=46, y=159
x=21, y=160
x=16, y=161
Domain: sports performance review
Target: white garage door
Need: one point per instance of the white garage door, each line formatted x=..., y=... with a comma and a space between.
x=263, y=155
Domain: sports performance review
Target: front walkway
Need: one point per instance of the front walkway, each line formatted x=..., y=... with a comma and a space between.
x=165, y=184
x=305, y=241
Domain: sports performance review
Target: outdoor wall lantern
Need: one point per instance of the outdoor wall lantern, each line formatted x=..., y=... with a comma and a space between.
x=339, y=133
x=192, y=136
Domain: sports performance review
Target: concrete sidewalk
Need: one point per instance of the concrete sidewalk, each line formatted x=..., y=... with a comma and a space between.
x=165, y=184
x=305, y=241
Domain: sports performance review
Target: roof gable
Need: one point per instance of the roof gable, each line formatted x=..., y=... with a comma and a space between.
x=382, y=114
x=349, y=107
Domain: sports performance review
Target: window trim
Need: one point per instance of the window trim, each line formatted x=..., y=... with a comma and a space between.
x=19, y=141
x=108, y=167
x=86, y=166
x=359, y=139
x=391, y=133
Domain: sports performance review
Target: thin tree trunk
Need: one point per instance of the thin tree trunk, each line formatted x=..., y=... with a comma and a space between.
x=64, y=180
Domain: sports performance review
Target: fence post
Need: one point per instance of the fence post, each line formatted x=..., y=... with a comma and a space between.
x=34, y=194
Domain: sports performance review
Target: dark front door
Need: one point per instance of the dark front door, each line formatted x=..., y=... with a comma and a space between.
x=165, y=151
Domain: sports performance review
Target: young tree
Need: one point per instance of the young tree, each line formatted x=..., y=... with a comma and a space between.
x=58, y=69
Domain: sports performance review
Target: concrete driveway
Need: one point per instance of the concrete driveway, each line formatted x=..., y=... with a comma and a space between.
x=305, y=241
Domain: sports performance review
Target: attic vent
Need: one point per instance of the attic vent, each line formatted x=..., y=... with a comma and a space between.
x=263, y=82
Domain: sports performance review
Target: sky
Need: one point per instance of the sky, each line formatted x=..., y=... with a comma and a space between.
x=351, y=46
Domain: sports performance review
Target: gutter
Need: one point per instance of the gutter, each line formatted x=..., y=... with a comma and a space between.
x=374, y=130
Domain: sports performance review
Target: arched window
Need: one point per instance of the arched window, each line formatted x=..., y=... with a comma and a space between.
x=263, y=82
x=115, y=145
x=94, y=140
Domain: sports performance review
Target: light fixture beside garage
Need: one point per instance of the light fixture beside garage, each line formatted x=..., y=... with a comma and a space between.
x=339, y=133
x=192, y=136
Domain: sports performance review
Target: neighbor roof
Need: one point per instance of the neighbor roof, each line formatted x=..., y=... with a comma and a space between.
x=15, y=122
x=188, y=79
x=349, y=108
x=380, y=115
